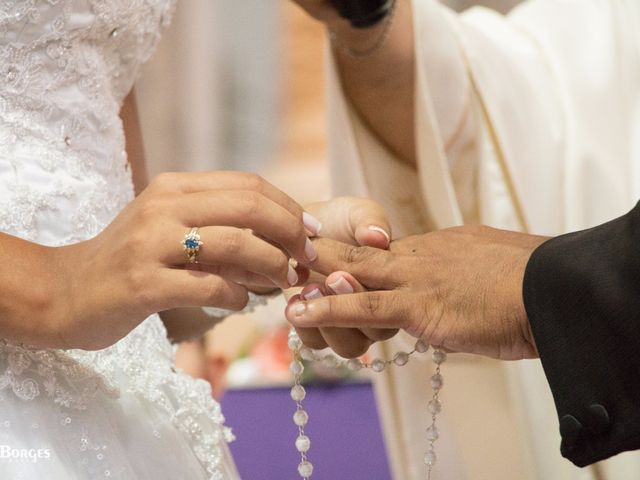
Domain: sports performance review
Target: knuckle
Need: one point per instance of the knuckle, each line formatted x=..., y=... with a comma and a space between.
x=251, y=204
x=165, y=181
x=213, y=291
x=136, y=243
x=153, y=208
x=354, y=254
x=139, y=287
x=294, y=234
x=371, y=304
x=281, y=264
x=332, y=307
x=232, y=242
x=419, y=316
x=255, y=182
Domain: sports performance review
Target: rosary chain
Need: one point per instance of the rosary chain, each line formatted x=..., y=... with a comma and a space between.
x=298, y=393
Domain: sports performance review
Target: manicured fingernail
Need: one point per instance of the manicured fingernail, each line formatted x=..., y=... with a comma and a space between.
x=341, y=286
x=292, y=276
x=313, y=294
x=311, y=223
x=299, y=309
x=375, y=228
x=310, y=251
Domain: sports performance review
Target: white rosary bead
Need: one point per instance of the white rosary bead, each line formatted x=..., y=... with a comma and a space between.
x=439, y=357
x=296, y=367
x=294, y=342
x=421, y=346
x=401, y=358
x=330, y=361
x=298, y=393
x=378, y=365
x=305, y=469
x=300, y=418
x=430, y=458
x=354, y=364
x=437, y=381
x=307, y=354
x=435, y=407
x=303, y=444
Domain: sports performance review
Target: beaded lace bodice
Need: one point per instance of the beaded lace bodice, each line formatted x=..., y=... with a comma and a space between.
x=65, y=68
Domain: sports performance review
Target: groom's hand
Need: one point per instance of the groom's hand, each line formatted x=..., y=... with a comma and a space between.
x=458, y=288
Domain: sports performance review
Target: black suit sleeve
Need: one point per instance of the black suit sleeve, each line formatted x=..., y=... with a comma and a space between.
x=582, y=296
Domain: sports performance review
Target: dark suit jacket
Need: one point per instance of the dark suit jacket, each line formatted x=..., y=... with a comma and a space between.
x=582, y=296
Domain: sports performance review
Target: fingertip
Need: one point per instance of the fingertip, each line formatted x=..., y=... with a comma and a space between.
x=294, y=312
x=373, y=236
x=311, y=224
x=342, y=283
x=313, y=294
x=292, y=277
x=296, y=298
x=311, y=291
x=303, y=274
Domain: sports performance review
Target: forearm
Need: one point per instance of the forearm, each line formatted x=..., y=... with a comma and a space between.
x=32, y=293
x=185, y=324
x=134, y=143
x=382, y=87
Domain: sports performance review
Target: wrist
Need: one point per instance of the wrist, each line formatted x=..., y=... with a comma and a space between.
x=55, y=308
x=30, y=301
x=64, y=274
x=517, y=304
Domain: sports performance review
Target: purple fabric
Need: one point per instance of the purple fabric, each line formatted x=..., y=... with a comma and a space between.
x=345, y=433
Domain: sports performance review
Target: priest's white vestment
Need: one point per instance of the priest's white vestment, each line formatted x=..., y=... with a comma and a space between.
x=531, y=122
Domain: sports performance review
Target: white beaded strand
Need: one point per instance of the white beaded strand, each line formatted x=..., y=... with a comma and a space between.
x=434, y=407
x=298, y=393
x=300, y=417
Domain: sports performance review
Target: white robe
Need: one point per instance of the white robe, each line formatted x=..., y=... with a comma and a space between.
x=529, y=122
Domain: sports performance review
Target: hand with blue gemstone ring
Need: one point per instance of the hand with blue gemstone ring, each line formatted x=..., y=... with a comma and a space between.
x=460, y=289
x=90, y=294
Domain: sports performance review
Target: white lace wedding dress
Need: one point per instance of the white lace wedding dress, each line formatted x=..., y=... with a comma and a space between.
x=123, y=412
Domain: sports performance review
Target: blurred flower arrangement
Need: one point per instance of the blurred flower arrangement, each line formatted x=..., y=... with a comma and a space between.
x=251, y=351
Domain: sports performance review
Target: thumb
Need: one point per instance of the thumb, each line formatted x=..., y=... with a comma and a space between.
x=352, y=220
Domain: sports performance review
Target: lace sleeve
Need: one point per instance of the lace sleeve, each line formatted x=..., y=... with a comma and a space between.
x=255, y=301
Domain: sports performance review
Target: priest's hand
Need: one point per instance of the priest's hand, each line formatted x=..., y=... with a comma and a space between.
x=352, y=221
x=460, y=289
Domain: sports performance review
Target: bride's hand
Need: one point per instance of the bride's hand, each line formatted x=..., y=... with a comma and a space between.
x=358, y=222
x=460, y=289
x=137, y=265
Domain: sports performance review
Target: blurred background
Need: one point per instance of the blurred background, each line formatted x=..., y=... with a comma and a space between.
x=239, y=85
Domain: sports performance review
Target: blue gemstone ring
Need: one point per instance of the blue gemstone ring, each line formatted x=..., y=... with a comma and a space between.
x=191, y=245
